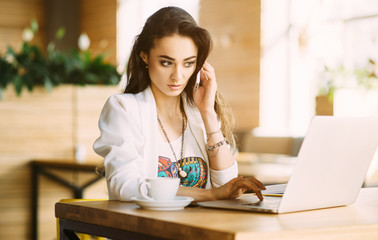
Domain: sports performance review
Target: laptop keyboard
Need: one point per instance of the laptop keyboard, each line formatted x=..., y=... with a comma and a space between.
x=266, y=203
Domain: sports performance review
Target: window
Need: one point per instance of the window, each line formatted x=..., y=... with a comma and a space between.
x=300, y=38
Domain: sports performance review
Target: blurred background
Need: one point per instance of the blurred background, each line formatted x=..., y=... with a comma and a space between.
x=278, y=63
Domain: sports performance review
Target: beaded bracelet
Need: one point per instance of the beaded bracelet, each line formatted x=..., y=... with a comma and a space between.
x=210, y=148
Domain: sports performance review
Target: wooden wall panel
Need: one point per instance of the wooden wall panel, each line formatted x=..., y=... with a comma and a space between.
x=99, y=21
x=235, y=28
x=35, y=125
x=38, y=127
x=42, y=125
x=15, y=16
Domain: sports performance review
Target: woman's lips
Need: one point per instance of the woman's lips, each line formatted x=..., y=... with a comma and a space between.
x=175, y=87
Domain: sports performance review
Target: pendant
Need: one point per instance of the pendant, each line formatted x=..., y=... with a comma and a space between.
x=182, y=173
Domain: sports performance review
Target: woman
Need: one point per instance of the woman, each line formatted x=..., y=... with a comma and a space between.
x=161, y=126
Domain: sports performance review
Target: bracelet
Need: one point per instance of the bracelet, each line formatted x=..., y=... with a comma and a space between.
x=210, y=148
x=212, y=133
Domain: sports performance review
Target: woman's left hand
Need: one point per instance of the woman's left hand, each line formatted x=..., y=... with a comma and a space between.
x=204, y=97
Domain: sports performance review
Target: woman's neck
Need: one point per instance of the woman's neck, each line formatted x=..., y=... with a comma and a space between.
x=167, y=106
x=170, y=115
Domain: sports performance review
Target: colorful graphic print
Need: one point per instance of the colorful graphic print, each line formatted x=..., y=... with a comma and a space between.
x=166, y=168
x=196, y=168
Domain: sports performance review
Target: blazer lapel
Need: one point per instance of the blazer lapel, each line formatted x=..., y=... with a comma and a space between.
x=196, y=126
x=148, y=119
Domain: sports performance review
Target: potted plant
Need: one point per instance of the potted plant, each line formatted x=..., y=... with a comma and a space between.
x=327, y=87
x=33, y=66
x=341, y=80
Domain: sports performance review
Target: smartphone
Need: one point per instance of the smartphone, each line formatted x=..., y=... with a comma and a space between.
x=198, y=80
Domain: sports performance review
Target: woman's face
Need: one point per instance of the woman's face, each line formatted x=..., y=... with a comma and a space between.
x=171, y=62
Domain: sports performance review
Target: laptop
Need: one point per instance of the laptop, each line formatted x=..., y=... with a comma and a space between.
x=330, y=168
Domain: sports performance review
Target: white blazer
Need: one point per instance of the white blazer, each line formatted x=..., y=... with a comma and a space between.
x=129, y=143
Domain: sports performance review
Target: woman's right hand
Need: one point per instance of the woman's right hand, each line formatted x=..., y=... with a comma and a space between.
x=237, y=186
x=204, y=97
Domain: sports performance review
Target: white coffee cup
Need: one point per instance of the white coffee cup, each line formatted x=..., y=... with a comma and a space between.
x=159, y=189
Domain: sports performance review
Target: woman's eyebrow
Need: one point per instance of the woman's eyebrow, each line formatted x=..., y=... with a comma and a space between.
x=172, y=59
x=189, y=58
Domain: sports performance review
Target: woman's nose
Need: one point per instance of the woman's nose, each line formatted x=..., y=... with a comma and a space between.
x=177, y=74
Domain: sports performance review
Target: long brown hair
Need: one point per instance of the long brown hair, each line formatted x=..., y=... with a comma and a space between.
x=167, y=22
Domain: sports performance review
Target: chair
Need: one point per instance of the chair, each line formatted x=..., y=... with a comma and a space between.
x=271, y=145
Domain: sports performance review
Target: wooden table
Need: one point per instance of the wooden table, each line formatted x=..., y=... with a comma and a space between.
x=44, y=168
x=126, y=220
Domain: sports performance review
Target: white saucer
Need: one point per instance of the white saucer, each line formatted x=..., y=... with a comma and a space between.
x=177, y=203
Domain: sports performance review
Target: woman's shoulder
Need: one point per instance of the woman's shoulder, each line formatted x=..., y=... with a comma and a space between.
x=122, y=96
x=130, y=97
x=129, y=100
x=123, y=100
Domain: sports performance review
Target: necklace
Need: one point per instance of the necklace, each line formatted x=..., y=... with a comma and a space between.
x=182, y=173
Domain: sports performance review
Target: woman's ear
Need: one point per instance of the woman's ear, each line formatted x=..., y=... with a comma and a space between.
x=144, y=57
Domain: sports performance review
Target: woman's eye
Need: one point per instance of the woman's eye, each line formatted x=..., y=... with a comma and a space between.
x=189, y=64
x=165, y=63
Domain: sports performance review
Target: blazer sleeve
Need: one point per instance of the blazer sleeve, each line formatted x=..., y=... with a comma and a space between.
x=220, y=177
x=121, y=144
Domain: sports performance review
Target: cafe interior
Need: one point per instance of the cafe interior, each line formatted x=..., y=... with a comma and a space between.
x=278, y=64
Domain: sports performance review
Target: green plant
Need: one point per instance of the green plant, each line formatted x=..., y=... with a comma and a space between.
x=367, y=76
x=33, y=66
x=329, y=81
x=83, y=69
x=333, y=79
x=7, y=73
